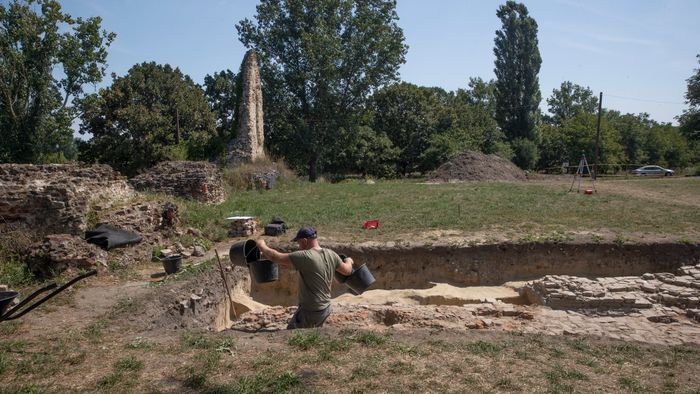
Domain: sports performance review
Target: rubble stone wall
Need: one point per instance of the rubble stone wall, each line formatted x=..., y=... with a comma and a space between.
x=56, y=198
x=197, y=180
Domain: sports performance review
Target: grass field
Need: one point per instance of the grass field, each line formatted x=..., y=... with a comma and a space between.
x=519, y=211
x=347, y=361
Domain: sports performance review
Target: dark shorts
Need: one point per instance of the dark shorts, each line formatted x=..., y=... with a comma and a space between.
x=308, y=319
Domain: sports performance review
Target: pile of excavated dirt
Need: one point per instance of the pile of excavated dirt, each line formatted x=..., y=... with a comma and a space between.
x=476, y=166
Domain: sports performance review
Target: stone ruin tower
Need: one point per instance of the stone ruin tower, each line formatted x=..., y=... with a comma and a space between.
x=248, y=144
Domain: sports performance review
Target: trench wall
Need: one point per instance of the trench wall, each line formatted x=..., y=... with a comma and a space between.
x=490, y=265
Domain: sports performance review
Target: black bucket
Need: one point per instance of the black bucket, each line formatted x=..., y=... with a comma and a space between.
x=172, y=264
x=360, y=279
x=6, y=298
x=263, y=271
x=244, y=252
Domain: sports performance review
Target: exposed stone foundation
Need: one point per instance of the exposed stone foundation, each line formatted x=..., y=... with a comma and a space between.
x=680, y=290
x=198, y=180
x=59, y=252
x=56, y=198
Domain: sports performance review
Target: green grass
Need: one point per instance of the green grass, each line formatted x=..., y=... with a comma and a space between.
x=265, y=382
x=630, y=384
x=93, y=331
x=139, y=343
x=14, y=273
x=482, y=347
x=24, y=389
x=305, y=340
x=370, y=338
x=201, y=341
x=558, y=376
x=407, y=206
x=127, y=364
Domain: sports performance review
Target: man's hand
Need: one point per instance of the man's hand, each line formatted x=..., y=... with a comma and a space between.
x=346, y=267
x=349, y=260
x=262, y=246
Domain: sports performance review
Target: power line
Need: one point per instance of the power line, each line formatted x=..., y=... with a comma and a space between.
x=645, y=100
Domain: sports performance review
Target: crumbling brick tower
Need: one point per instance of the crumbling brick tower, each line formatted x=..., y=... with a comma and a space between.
x=248, y=144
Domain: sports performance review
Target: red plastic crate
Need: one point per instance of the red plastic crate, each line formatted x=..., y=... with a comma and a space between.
x=371, y=224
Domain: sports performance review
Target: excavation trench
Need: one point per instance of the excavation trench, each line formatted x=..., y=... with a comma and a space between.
x=448, y=275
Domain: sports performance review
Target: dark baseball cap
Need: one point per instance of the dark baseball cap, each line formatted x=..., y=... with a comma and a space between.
x=305, y=232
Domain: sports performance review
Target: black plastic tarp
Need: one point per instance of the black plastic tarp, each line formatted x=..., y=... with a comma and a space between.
x=109, y=237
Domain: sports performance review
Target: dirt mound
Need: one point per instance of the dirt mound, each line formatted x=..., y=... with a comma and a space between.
x=476, y=166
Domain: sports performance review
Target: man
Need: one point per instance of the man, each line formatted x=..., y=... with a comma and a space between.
x=316, y=266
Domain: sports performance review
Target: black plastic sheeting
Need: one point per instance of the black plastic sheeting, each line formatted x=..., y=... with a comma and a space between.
x=109, y=237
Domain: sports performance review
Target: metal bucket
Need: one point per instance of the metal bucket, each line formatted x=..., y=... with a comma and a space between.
x=360, y=279
x=244, y=252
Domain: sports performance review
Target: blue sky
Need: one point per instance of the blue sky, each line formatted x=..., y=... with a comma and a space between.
x=639, y=53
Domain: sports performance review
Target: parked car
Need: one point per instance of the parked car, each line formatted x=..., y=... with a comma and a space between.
x=652, y=170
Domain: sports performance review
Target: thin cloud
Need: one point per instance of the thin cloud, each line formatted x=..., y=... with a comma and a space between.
x=596, y=11
x=95, y=7
x=583, y=47
x=624, y=40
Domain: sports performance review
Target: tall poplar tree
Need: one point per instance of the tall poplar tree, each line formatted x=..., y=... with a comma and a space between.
x=517, y=90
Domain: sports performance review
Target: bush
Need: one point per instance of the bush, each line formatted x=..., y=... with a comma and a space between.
x=502, y=149
x=242, y=177
x=525, y=152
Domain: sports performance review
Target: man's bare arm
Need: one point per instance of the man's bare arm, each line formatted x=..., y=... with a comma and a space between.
x=273, y=255
x=345, y=267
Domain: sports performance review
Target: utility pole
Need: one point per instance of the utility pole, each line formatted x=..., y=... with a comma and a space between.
x=597, y=137
x=177, y=126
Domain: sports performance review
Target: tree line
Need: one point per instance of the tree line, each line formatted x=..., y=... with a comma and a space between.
x=333, y=99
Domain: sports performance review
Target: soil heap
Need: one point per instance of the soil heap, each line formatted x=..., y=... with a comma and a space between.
x=476, y=166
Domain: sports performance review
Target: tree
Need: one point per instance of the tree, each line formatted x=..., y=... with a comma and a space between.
x=569, y=100
x=364, y=151
x=46, y=57
x=221, y=92
x=580, y=135
x=153, y=113
x=326, y=57
x=409, y=116
x=633, y=132
x=690, y=120
x=476, y=107
x=517, y=67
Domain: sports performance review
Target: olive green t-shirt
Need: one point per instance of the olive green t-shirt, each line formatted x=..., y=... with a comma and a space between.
x=315, y=269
